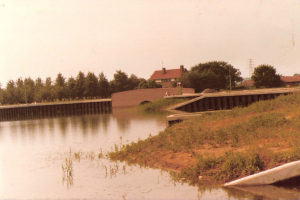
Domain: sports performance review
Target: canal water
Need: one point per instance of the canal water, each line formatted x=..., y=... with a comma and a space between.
x=58, y=158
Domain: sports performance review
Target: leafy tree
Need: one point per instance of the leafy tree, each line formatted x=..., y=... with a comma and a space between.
x=20, y=91
x=71, y=90
x=39, y=86
x=120, y=82
x=79, y=87
x=296, y=74
x=48, y=92
x=9, y=95
x=1, y=95
x=104, y=89
x=91, y=85
x=133, y=82
x=265, y=76
x=215, y=75
x=29, y=90
x=59, y=86
x=148, y=84
x=219, y=74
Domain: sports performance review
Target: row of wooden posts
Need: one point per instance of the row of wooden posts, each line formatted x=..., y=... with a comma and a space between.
x=35, y=111
x=210, y=103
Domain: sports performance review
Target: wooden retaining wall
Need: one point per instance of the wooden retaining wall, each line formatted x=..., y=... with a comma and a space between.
x=35, y=111
x=211, y=102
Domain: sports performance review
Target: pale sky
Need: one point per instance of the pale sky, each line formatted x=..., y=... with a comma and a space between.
x=41, y=38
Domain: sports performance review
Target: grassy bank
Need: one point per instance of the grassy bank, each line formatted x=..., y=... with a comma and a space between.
x=222, y=146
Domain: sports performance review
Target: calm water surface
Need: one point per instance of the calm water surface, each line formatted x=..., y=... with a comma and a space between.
x=33, y=152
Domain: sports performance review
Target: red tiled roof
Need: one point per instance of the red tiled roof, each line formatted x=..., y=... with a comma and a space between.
x=289, y=79
x=170, y=73
x=286, y=79
x=247, y=83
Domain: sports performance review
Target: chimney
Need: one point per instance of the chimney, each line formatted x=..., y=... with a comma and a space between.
x=163, y=70
x=181, y=69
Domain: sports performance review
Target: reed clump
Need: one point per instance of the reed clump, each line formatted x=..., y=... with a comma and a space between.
x=223, y=146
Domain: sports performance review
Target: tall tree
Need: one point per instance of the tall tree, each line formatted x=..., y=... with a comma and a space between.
x=91, y=85
x=265, y=76
x=71, y=90
x=20, y=91
x=120, y=82
x=49, y=93
x=29, y=90
x=60, y=86
x=39, y=87
x=104, y=88
x=80, y=85
x=133, y=82
x=10, y=92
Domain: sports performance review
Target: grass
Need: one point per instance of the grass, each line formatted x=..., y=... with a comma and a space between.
x=160, y=104
x=223, y=146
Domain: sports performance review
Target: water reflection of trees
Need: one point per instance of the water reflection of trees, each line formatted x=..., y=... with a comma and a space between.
x=124, y=116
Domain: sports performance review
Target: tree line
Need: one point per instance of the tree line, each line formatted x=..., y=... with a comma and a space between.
x=83, y=86
x=214, y=75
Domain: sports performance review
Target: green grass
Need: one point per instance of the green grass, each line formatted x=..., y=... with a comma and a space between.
x=255, y=138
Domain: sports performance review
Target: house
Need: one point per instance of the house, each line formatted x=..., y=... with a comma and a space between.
x=291, y=80
x=166, y=77
x=288, y=81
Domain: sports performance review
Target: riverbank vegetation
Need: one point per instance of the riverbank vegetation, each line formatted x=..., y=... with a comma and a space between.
x=218, y=147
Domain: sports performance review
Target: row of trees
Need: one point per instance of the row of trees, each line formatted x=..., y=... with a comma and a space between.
x=215, y=75
x=87, y=86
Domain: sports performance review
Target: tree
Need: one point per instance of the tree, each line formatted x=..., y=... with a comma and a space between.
x=79, y=87
x=48, y=92
x=71, y=91
x=29, y=90
x=215, y=75
x=104, y=89
x=59, y=86
x=148, y=84
x=9, y=96
x=265, y=76
x=91, y=85
x=39, y=86
x=133, y=82
x=20, y=91
x=120, y=82
x=218, y=74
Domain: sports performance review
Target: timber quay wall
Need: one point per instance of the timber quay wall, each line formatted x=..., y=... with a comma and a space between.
x=227, y=101
x=34, y=111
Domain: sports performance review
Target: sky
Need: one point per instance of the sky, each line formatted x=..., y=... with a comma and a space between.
x=44, y=38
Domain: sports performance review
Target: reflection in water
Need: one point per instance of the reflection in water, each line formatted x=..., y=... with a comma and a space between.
x=263, y=192
x=64, y=157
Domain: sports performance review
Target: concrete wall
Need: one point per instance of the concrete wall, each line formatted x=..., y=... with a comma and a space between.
x=135, y=97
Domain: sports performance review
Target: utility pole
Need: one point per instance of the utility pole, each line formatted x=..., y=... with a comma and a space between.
x=250, y=67
x=229, y=79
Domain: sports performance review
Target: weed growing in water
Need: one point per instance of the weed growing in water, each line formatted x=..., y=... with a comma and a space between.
x=67, y=168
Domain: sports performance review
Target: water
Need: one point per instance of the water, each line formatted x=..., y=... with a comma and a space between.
x=33, y=152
